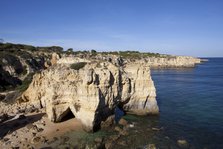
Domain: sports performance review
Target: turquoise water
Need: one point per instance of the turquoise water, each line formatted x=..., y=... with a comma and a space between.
x=191, y=103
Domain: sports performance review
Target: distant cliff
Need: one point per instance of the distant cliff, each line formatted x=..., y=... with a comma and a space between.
x=154, y=61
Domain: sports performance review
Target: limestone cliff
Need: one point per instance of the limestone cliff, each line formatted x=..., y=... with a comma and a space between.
x=19, y=62
x=92, y=92
x=162, y=61
x=173, y=62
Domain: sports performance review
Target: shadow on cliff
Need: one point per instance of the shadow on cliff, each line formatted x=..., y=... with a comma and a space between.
x=15, y=124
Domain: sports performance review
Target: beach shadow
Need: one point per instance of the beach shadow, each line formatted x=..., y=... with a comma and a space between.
x=10, y=126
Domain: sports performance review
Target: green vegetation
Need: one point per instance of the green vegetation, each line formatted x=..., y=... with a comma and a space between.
x=50, y=49
x=137, y=54
x=77, y=66
x=70, y=50
x=10, y=47
x=93, y=52
x=82, y=137
x=26, y=82
x=14, y=47
x=123, y=54
x=130, y=117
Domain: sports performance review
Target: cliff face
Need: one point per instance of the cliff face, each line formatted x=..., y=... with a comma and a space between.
x=92, y=92
x=173, y=62
x=165, y=61
x=19, y=62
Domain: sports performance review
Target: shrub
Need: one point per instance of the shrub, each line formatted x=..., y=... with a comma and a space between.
x=70, y=50
x=26, y=82
x=78, y=65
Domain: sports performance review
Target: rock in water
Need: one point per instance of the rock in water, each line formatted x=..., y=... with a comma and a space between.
x=123, y=122
x=183, y=143
x=150, y=146
x=108, y=122
x=92, y=92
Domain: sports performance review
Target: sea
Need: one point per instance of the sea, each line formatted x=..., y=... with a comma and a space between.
x=191, y=103
x=191, y=109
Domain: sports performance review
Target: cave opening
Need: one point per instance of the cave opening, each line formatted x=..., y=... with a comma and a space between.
x=68, y=115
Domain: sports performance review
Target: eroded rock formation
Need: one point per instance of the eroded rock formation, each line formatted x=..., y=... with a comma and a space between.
x=92, y=92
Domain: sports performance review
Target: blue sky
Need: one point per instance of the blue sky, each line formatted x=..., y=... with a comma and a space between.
x=181, y=27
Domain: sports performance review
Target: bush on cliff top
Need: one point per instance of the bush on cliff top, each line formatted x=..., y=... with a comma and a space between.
x=78, y=65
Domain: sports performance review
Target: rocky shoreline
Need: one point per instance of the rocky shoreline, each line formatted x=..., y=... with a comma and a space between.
x=37, y=131
x=77, y=93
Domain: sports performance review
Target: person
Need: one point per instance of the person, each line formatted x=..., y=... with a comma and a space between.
x=118, y=114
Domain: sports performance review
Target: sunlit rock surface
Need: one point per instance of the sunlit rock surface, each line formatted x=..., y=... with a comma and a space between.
x=92, y=92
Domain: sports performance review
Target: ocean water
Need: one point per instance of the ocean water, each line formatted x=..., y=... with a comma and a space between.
x=191, y=103
x=191, y=108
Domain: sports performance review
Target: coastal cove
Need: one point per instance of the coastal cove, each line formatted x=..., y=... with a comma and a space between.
x=69, y=99
x=190, y=102
x=118, y=74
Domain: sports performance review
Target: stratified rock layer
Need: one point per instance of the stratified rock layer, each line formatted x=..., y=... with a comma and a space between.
x=92, y=92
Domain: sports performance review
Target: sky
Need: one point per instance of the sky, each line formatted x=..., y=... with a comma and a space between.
x=179, y=27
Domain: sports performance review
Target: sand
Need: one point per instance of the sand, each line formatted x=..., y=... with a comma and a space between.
x=34, y=130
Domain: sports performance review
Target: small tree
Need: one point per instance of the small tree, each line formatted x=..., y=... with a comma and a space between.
x=70, y=50
x=93, y=52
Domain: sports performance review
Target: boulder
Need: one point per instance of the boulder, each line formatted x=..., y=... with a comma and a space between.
x=150, y=146
x=123, y=122
x=98, y=140
x=110, y=121
x=183, y=143
x=122, y=132
x=55, y=57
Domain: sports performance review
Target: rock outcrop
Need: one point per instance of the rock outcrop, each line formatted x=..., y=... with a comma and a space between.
x=18, y=62
x=93, y=92
x=55, y=57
